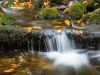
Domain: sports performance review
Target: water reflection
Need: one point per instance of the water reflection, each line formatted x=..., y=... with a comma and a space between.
x=23, y=63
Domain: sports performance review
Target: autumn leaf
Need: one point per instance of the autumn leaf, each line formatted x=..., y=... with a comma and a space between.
x=67, y=22
x=9, y=70
x=59, y=27
x=83, y=24
x=79, y=21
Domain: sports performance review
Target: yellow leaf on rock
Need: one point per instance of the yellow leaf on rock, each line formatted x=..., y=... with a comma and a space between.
x=13, y=65
x=67, y=22
x=59, y=27
x=9, y=70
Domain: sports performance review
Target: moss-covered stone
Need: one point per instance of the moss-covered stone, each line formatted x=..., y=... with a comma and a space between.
x=77, y=10
x=92, y=4
x=7, y=20
x=92, y=17
x=11, y=34
x=48, y=13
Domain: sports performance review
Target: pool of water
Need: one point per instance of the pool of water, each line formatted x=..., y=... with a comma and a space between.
x=39, y=64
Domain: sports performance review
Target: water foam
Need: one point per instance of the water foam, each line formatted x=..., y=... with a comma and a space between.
x=69, y=59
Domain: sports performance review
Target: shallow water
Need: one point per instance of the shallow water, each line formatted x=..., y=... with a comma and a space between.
x=27, y=18
x=39, y=64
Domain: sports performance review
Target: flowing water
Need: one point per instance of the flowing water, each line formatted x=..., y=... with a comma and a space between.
x=61, y=57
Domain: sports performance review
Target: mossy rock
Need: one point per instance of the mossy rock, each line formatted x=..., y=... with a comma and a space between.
x=11, y=34
x=77, y=10
x=7, y=20
x=92, y=4
x=48, y=13
x=92, y=17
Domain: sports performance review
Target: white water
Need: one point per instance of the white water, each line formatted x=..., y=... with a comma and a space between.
x=68, y=59
x=57, y=40
x=65, y=56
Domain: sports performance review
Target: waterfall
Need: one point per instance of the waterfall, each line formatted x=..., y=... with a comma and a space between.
x=32, y=49
x=57, y=40
x=28, y=46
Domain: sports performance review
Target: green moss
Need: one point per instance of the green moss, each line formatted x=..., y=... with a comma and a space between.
x=93, y=17
x=7, y=19
x=48, y=13
x=77, y=10
x=11, y=34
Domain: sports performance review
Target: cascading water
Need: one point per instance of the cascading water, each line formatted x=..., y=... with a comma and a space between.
x=65, y=55
x=57, y=40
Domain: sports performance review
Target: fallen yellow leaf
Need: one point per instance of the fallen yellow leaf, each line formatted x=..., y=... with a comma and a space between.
x=59, y=27
x=13, y=65
x=67, y=22
x=9, y=70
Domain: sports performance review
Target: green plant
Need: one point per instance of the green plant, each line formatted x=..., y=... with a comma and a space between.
x=48, y=13
x=77, y=10
x=7, y=19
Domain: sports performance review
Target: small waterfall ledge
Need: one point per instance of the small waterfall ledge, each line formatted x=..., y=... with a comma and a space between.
x=48, y=40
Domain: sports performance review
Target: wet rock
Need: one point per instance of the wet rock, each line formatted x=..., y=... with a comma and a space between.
x=91, y=48
x=62, y=7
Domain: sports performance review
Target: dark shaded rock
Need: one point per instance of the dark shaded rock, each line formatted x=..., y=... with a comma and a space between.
x=92, y=4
